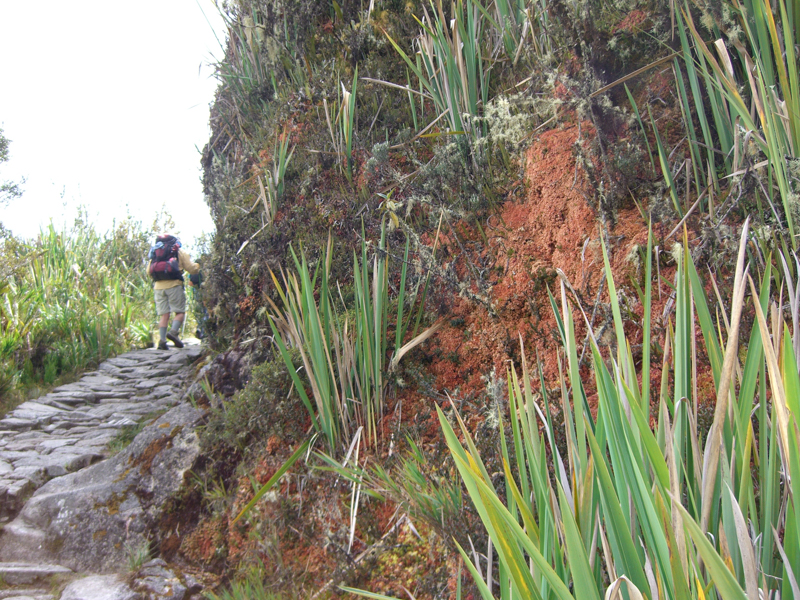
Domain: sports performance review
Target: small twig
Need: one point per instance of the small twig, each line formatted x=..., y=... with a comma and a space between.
x=605, y=88
x=376, y=116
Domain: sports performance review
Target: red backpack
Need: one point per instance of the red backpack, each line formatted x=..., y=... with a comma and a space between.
x=164, y=259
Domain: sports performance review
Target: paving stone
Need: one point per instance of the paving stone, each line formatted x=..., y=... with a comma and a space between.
x=29, y=435
x=14, y=424
x=99, y=587
x=13, y=456
x=55, y=403
x=147, y=384
x=35, y=472
x=161, y=391
x=53, y=443
x=121, y=422
x=21, y=445
x=26, y=594
x=69, y=429
x=19, y=489
x=73, y=396
x=95, y=379
x=32, y=410
x=75, y=415
x=103, y=411
x=22, y=574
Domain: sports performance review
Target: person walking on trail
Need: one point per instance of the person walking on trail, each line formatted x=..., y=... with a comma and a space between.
x=167, y=264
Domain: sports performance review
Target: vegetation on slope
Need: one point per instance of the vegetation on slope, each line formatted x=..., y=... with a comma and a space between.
x=506, y=145
x=70, y=299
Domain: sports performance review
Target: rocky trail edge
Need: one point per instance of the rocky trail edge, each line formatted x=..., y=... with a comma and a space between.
x=74, y=512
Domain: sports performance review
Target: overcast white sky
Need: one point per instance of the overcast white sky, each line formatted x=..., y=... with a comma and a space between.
x=106, y=106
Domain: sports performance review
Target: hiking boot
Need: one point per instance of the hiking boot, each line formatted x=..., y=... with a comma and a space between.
x=162, y=345
x=174, y=339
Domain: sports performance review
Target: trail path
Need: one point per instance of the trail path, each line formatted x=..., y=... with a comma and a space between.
x=64, y=432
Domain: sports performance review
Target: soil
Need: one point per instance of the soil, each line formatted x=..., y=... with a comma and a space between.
x=553, y=235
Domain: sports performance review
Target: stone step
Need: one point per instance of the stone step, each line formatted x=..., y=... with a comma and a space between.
x=102, y=587
x=27, y=573
x=67, y=430
x=22, y=543
x=26, y=594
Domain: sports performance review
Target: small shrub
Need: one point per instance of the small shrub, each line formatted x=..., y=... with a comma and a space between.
x=137, y=554
x=263, y=408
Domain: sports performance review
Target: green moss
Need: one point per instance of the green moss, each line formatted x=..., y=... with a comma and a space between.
x=265, y=407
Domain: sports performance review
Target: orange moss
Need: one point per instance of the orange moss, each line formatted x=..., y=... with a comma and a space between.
x=206, y=541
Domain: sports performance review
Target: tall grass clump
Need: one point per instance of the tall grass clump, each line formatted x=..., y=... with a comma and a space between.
x=739, y=93
x=71, y=299
x=640, y=501
x=345, y=347
x=451, y=68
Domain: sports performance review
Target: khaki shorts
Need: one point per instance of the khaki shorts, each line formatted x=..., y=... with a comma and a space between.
x=170, y=300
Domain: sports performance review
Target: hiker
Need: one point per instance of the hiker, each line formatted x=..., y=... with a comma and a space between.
x=167, y=263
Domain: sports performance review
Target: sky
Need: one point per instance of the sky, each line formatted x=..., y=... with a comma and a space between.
x=106, y=107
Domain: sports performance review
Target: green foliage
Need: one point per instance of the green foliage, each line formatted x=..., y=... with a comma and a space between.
x=250, y=587
x=422, y=486
x=70, y=300
x=451, y=70
x=345, y=357
x=341, y=126
x=686, y=500
x=263, y=408
x=137, y=555
x=8, y=189
x=740, y=100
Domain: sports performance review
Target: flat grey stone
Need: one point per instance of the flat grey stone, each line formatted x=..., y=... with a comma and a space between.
x=86, y=517
x=147, y=384
x=28, y=468
x=26, y=594
x=103, y=411
x=34, y=410
x=116, y=395
x=29, y=435
x=15, y=424
x=164, y=390
x=50, y=465
x=14, y=455
x=98, y=441
x=55, y=403
x=79, y=412
x=70, y=397
x=98, y=379
x=23, y=574
x=119, y=422
x=17, y=445
x=99, y=587
x=5, y=467
x=52, y=444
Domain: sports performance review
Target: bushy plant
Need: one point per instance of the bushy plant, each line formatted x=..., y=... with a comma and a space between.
x=71, y=299
x=345, y=358
x=263, y=408
x=647, y=505
x=8, y=189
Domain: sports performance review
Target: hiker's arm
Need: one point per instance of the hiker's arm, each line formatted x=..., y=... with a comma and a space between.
x=186, y=264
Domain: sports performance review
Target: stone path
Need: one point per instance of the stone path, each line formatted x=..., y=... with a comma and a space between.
x=68, y=430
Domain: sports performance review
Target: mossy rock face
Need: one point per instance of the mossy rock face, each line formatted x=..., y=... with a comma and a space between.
x=89, y=520
x=263, y=409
